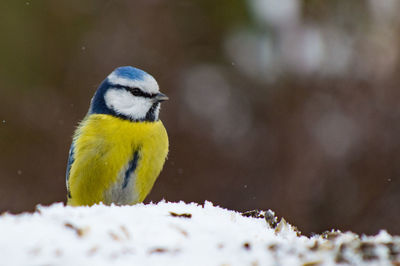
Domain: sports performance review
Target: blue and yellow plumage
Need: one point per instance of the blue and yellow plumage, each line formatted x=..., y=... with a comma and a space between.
x=120, y=146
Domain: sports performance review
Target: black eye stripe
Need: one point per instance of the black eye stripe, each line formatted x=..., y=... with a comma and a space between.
x=135, y=91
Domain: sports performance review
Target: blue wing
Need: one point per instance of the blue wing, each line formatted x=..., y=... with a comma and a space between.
x=71, y=160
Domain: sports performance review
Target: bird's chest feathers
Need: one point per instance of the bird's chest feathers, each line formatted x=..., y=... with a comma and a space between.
x=105, y=148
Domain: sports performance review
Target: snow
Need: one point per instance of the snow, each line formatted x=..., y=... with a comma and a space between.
x=177, y=234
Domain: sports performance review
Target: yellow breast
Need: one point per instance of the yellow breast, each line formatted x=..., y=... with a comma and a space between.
x=103, y=147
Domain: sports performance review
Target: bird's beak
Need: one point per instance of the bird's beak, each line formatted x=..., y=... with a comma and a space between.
x=160, y=97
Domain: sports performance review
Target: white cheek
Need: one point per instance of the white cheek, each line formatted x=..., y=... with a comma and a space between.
x=123, y=102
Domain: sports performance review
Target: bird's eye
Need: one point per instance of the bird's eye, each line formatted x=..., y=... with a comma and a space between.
x=135, y=91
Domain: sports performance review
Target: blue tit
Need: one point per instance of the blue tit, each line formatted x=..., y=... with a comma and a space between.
x=119, y=148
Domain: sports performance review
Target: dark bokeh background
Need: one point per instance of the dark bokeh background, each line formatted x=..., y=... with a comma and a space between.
x=287, y=105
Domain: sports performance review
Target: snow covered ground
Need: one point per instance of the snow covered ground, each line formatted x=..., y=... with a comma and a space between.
x=177, y=234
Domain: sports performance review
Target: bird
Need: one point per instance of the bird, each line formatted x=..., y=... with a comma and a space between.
x=119, y=149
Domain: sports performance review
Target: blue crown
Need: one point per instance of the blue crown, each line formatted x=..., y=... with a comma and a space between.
x=129, y=72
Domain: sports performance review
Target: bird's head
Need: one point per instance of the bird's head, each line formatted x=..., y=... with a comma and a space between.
x=128, y=93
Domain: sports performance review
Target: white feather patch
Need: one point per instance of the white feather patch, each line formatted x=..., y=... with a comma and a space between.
x=121, y=196
x=123, y=102
x=157, y=112
x=148, y=84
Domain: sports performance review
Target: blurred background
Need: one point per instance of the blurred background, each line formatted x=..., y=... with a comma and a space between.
x=285, y=105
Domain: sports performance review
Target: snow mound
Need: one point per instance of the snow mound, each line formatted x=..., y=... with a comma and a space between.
x=177, y=234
